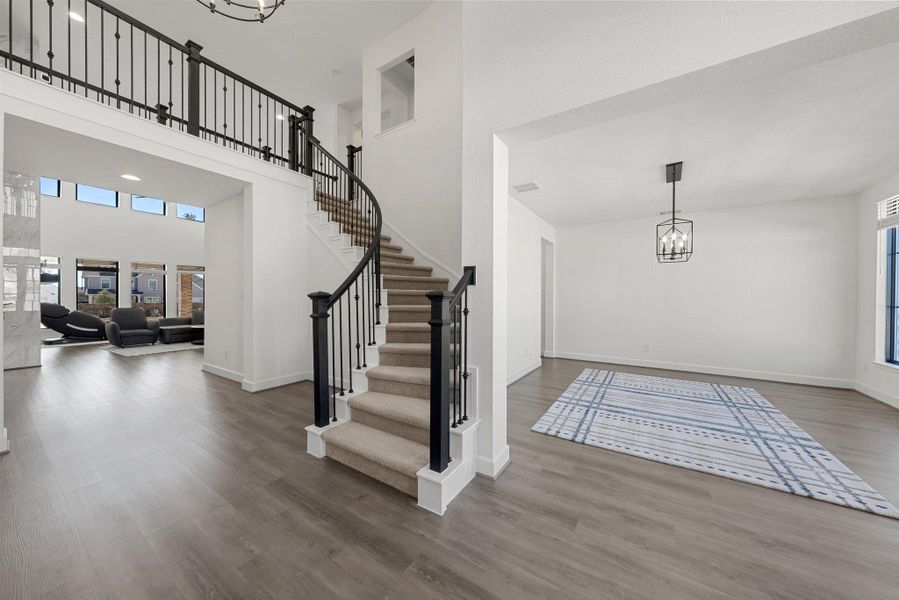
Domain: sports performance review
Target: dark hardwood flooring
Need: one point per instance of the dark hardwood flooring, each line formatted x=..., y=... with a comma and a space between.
x=135, y=478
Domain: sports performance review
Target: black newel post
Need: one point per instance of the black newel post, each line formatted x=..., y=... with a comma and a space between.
x=193, y=87
x=293, y=142
x=308, y=123
x=320, y=357
x=162, y=114
x=440, y=368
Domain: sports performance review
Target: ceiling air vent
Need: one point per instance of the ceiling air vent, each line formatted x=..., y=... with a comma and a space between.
x=530, y=186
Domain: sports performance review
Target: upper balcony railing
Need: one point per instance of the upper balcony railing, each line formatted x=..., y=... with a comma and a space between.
x=91, y=48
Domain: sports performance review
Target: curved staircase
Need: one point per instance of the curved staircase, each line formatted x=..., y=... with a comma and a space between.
x=386, y=427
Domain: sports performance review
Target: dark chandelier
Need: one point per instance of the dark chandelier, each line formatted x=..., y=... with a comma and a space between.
x=248, y=11
x=674, y=236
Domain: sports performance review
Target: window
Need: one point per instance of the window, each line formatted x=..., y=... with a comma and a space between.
x=93, y=195
x=148, y=205
x=96, y=289
x=50, y=279
x=398, y=92
x=191, y=213
x=148, y=288
x=191, y=289
x=892, y=301
x=49, y=187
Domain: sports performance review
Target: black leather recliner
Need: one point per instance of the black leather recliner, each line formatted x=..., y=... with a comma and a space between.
x=73, y=325
x=130, y=327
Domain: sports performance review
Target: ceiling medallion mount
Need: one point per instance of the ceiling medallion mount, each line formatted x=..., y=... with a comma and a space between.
x=248, y=11
x=674, y=236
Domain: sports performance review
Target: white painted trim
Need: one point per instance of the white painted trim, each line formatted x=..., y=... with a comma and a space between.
x=877, y=394
x=404, y=125
x=730, y=372
x=315, y=444
x=525, y=371
x=329, y=244
x=437, y=490
x=222, y=372
x=4, y=441
x=417, y=252
x=493, y=467
x=273, y=382
x=548, y=354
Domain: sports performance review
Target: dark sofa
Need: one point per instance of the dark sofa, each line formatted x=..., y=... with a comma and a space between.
x=179, y=329
x=130, y=327
x=74, y=324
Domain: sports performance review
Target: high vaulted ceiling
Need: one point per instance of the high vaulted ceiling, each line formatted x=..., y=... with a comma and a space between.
x=824, y=130
x=295, y=53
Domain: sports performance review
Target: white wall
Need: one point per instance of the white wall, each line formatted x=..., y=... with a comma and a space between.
x=415, y=169
x=873, y=376
x=768, y=293
x=527, y=233
x=72, y=230
x=223, y=349
x=4, y=438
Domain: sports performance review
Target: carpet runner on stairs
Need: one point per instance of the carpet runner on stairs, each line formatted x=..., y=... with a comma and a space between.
x=388, y=435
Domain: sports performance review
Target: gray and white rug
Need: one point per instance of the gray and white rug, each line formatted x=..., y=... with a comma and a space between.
x=154, y=349
x=723, y=430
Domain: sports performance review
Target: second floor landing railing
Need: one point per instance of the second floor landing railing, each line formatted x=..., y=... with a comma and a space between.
x=91, y=48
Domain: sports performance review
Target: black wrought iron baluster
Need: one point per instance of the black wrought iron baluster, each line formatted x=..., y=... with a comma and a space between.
x=118, y=81
x=9, y=63
x=452, y=352
x=358, y=345
x=131, y=62
x=30, y=35
x=225, y=110
x=378, y=282
x=68, y=43
x=259, y=107
x=233, y=113
x=333, y=366
x=102, y=56
x=50, y=51
x=171, y=104
x=146, y=81
x=158, y=75
x=340, y=330
x=349, y=335
x=86, y=20
x=465, y=358
x=184, y=117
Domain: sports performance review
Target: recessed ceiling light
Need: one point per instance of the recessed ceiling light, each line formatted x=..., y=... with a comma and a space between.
x=75, y=16
x=279, y=117
x=335, y=72
x=130, y=177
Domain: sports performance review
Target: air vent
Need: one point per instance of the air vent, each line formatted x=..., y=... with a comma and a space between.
x=888, y=213
x=530, y=186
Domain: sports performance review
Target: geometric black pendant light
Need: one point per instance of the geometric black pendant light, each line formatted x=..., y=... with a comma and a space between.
x=674, y=236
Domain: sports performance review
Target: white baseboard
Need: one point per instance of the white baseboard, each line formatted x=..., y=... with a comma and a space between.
x=492, y=467
x=4, y=441
x=273, y=382
x=877, y=394
x=548, y=354
x=522, y=372
x=745, y=373
x=222, y=372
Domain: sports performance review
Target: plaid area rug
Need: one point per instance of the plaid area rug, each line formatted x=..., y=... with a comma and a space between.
x=723, y=430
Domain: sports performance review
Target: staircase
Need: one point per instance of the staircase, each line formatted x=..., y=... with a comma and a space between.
x=386, y=433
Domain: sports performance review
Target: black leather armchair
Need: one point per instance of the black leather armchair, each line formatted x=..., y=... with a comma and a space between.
x=130, y=327
x=73, y=325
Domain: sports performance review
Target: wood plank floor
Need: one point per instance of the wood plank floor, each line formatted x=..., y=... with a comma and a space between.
x=145, y=478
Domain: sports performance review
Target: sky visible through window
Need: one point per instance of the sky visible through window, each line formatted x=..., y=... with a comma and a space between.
x=87, y=193
x=191, y=213
x=49, y=187
x=148, y=205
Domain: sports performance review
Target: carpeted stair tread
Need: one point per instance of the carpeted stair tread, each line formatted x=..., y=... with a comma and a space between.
x=414, y=375
x=385, y=449
x=413, y=278
x=404, y=348
x=390, y=257
x=403, y=313
x=410, y=269
x=391, y=248
x=404, y=409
